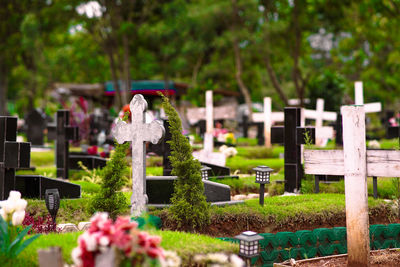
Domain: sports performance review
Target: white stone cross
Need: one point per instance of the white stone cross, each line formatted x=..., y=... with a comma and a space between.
x=319, y=115
x=355, y=163
x=138, y=132
x=268, y=118
x=359, y=99
x=208, y=135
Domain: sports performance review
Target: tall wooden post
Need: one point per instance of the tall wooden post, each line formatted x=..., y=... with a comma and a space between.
x=208, y=136
x=355, y=169
x=267, y=121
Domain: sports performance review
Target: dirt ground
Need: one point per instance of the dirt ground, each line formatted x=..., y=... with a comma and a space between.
x=380, y=258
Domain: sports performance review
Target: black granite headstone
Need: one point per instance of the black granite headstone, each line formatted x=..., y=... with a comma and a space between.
x=36, y=124
x=166, y=150
x=339, y=130
x=292, y=136
x=64, y=134
x=89, y=161
x=159, y=190
x=12, y=154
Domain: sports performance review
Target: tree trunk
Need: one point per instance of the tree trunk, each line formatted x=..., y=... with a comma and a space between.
x=196, y=69
x=114, y=75
x=126, y=70
x=274, y=80
x=3, y=90
x=296, y=72
x=238, y=61
x=243, y=89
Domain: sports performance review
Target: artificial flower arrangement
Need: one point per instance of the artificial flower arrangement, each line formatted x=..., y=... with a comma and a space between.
x=12, y=214
x=135, y=247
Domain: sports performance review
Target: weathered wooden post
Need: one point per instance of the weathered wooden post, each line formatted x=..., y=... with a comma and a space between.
x=355, y=179
x=208, y=136
x=267, y=121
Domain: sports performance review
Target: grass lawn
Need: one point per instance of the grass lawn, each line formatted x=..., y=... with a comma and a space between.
x=185, y=244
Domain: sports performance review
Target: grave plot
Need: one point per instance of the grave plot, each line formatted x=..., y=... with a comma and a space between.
x=355, y=163
x=157, y=191
x=205, y=117
x=16, y=155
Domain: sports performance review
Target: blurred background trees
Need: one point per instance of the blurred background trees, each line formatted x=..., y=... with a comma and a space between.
x=281, y=48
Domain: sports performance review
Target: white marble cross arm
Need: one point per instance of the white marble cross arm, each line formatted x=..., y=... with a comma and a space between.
x=153, y=132
x=122, y=132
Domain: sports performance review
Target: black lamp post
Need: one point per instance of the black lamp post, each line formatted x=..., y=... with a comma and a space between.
x=262, y=178
x=249, y=245
x=52, y=198
x=204, y=172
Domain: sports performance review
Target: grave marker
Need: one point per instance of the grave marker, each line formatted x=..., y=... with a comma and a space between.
x=359, y=99
x=17, y=155
x=268, y=118
x=12, y=155
x=319, y=115
x=292, y=136
x=356, y=164
x=138, y=132
x=36, y=124
x=64, y=133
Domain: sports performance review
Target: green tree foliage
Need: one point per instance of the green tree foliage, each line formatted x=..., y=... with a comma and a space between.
x=328, y=85
x=189, y=207
x=110, y=198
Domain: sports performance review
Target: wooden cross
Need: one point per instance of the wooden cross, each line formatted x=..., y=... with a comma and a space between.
x=292, y=135
x=12, y=155
x=359, y=99
x=268, y=118
x=64, y=134
x=319, y=115
x=138, y=132
x=355, y=163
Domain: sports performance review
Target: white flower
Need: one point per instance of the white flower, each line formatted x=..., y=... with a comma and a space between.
x=374, y=144
x=76, y=256
x=217, y=257
x=14, y=195
x=18, y=217
x=8, y=207
x=104, y=241
x=91, y=244
x=223, y=148
x=171, y=259
x=20, y=204
x=236, y=261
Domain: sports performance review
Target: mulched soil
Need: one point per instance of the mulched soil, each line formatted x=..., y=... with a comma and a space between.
x=380, y=258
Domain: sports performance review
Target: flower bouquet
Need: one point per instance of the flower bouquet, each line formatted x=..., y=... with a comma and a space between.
x=134, y=247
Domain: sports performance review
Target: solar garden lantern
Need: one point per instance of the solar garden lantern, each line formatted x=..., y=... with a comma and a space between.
x=52, y=199
x=262, y=178
x=249, y=245
x=204, y=172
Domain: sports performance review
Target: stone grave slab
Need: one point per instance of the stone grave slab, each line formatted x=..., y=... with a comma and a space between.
x=34, y=186
x=160, y=190
x=91, y=162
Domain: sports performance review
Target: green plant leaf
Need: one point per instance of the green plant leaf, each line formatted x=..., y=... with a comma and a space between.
x=25, y=244
x=15, y=244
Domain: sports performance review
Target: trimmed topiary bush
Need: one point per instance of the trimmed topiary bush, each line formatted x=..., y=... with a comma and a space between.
x=110, y=198
x=189, y=207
